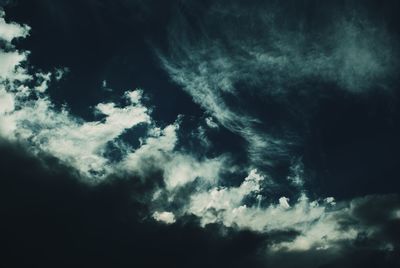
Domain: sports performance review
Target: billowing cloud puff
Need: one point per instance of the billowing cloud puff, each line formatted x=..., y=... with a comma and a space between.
x=166, y=217
x=10, y=31
x=319, y=224
x=28, y=115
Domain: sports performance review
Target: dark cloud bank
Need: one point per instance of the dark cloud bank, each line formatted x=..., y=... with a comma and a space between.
x=300, y=98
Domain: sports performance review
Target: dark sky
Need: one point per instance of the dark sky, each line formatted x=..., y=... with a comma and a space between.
x=199, y=133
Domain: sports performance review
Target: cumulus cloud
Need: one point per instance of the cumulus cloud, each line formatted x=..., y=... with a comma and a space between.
x=319, y=224
x=322, y=224
x=10, y=66
x=157, y=153
x=227, y=205
x=166, y=217
x=28, y=115
x=82, y=144
x=10, y=31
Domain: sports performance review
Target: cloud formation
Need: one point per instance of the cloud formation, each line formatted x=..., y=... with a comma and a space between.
x=49, y=217
x=215, y=73
x=29, y=116
x=230, y=56
x=10, y=31
x=319, y=224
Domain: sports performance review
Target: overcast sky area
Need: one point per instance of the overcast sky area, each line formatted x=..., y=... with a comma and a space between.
x=188, y=133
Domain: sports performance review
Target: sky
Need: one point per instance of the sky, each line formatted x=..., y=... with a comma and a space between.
x=186, y=133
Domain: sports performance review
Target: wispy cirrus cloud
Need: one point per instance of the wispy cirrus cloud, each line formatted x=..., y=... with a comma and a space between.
x=230, y=56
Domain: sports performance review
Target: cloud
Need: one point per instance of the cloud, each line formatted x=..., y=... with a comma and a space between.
x=210, y=123
x=60, y=73
x=158, y=153
x=10, y=66
x=321, y=224
x=29, y=116
x=10, y=31
x=51, y=217
x=231, y=57
x=6, y=102
x=166, y=217
x=261, y=145
x=82, y=144
x=227, y=205
x=191, y=185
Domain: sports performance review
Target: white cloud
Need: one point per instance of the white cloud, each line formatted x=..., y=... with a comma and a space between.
x=226, y=206
x=6, y=102
x=157, y=152
x=80, y=144
x=210, y=123
x=10, y=66
x=318, y=228
x=284, y=202
x=28, y=115
x=83, y=145
x=10, y=31
x=166, y=217
x=43, y=80
x=221, y=203
x=321, y=224
x=183, y=169
x=153, y=152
